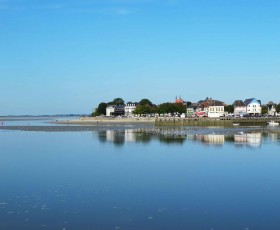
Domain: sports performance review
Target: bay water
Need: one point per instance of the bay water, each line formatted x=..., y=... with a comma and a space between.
x=126, y=179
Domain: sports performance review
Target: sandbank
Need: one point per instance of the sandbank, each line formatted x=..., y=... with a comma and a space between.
x=106, y=121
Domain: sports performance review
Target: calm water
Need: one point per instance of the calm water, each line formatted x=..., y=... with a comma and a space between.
x=119, y=179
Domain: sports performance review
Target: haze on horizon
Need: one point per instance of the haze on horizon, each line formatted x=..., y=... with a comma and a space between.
x=66, y=56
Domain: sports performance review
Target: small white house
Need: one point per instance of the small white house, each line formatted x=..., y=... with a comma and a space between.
x=272, y=111
x=110, y=110
x=129, y=108
x=239, y=108
x=253, y=106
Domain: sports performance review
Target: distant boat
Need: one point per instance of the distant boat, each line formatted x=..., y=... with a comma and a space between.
x=273, y=123
x=236, y=124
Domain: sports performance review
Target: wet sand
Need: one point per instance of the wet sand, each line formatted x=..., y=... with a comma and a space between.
x=95, y=124
x=106, y=121
x=148, y=129
x=75, y=128
x=62, y=124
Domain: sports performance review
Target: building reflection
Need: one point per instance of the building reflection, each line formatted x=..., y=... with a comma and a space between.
x=212, y=139
x=273, y=137
x=119, y=137
x=122, y=136
x=240, y=139
x=115, y=136
x=249, y=139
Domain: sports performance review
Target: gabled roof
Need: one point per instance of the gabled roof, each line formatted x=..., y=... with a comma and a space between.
x=249, y=101
x=216, y=103
x=209, y=102
x=238, y=103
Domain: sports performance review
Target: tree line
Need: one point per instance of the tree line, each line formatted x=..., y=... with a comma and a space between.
x=144, y=106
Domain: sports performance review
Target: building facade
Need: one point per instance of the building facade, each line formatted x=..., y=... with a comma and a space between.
x=253, y=106
x=110, y=110
x=129, y=108
x=239, y=108
x=216, y=111
x=272, y=111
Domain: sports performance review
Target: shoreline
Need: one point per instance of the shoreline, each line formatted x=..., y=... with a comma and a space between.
x=106, y=121
x=149, y=129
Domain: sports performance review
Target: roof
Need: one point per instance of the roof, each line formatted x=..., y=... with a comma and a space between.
x=210, y=102
x=238, y=103
x=120, y=107
x=249, y=101
x=213, y=103
x=217, y=104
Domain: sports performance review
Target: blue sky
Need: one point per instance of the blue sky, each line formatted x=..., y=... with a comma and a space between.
x=66, y=56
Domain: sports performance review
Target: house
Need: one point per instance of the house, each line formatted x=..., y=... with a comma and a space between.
x=190, y=112
x=239, y=107
x=129, y=108
x=119, y=110
x=110, y=110
x=213, y=108
x=272, y=111
x=217, y=109
x=253, y=106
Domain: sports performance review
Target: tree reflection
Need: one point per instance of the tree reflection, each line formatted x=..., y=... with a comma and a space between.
x=172, y=139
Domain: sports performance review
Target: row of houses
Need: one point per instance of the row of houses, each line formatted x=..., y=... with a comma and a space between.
x=216, y=108
x=203, y=108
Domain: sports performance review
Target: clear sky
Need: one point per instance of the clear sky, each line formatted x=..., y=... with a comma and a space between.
x=66, y=56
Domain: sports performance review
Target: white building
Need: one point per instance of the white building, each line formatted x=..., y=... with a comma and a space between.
x=239, y=108
x=272, y=111
x=129, y=108
x=253, y=106
x=216, y=111
x=110, y=110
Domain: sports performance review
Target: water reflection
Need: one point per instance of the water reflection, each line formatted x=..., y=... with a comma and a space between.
x=212, y=139
x=121, y=136
x=250, y=139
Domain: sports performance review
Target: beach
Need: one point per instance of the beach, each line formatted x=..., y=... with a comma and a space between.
x=64, y=124
x=107, y=121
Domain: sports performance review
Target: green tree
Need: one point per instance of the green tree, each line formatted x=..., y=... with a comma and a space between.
x=102, y=108
x=145, y=102
x=188, y=104
x=270, y=104
x=171, y=108
x=264, y=109
x=278, y=108
x=95, y=113
x=116, y=101
x=229, y=108
x=144, y=109
x=180, y=108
